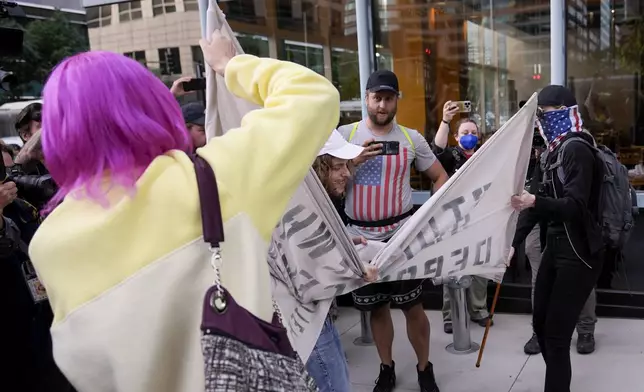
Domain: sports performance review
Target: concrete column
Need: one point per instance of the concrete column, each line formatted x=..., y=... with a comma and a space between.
x=274, y=42
x=557, y=42
x=365, y=47
x=324, y=18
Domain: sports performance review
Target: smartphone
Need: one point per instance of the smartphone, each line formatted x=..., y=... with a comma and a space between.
x=195, y=84
x=3, y=171
x=388, y=147
x=463, y=106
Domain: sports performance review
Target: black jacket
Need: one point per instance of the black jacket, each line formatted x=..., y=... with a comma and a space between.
x=532, y=186
x=450, y=157
x=572, y=207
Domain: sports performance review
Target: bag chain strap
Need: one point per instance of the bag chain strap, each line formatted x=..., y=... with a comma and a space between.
x=219, y=299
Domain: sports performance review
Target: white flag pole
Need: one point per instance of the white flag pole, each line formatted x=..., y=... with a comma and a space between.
x=203, y=10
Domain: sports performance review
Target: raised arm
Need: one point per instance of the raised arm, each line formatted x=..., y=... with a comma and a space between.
x=261, y=164
x=442, y=136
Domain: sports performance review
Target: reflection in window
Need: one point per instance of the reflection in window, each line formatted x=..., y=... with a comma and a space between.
x=604, y=71
x=256, y=45
x=384, y=60
x=160, y=7
x=337, y=22
x=350, y=18
x=308, y=55
x=130, y=11
x=197, y=55
x=297, y=15
x=170, y=61
x=138, y=55
x=191, y=5
x=345, y=73
x=247, y=11
x=99, y=16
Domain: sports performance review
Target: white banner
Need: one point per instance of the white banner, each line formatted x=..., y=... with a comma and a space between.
x=466, y=228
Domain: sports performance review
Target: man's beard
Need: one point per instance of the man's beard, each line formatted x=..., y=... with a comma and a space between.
x=374, y=118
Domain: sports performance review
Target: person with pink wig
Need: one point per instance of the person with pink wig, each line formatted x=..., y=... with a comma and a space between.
x=121, y=253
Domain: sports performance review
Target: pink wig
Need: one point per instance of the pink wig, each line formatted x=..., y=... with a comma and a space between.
x=106, y=116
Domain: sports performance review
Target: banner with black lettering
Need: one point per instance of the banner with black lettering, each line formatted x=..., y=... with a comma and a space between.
x=466, y=228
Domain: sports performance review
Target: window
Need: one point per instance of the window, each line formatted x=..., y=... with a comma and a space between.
x=139, y=56
x=191, y=5
x=160, y=7
x=247, y=11
x=308, y=55
x=197, y=55
x=345, y=72
x=256, y=45
x=99, y=16
x=170, y=61
x=130, y=11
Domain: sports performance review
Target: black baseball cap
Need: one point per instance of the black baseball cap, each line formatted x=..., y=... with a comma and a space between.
x=383, y=80
x=554, y=95
x=194, y=113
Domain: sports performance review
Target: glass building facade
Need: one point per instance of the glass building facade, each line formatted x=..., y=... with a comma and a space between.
x=494, y=53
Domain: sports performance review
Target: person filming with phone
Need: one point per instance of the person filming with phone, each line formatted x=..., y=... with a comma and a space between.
x=453, y=158
x=466, y=135
x=378, y=203
x=194, y=113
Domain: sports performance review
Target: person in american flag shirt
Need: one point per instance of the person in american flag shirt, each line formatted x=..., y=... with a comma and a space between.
x=378, y=202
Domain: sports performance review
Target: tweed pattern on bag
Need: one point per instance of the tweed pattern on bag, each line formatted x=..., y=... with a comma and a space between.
x=233, y=366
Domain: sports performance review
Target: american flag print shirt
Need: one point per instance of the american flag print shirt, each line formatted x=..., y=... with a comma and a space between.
x=380, y=188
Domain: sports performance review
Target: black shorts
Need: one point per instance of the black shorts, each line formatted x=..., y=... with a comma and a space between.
x=405, y=294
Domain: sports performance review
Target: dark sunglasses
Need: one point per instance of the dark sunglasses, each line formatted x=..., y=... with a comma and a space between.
x=541, y=112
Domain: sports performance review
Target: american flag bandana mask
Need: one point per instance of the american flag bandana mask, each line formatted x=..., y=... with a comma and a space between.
x=556, y=124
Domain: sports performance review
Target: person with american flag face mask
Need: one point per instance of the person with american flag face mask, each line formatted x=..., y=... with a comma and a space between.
x=567, y=199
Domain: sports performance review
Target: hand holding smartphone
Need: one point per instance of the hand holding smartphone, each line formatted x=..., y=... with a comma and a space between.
x=463, y=106
x=195, y=84
x=388, y=147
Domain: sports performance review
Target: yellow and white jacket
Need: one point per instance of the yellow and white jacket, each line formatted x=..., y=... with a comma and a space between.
x=126, y=283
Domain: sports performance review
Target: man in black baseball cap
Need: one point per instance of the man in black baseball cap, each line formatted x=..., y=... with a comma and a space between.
x=379, y=221
x=195, y=118
x=383, y=80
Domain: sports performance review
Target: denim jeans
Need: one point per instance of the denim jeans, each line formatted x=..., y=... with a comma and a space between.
x=327, y=363
x=562, y=287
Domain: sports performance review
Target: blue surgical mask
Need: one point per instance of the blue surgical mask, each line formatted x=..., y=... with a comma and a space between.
x=469, y=141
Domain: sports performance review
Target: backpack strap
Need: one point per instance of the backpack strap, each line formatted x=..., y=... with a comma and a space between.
x=558, y=164
x=211, y=220
x=403, y=129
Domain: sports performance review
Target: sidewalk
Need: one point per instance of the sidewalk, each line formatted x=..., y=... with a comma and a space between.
x=616, y=366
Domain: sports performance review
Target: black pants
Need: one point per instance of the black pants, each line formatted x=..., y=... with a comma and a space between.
x=562, y=287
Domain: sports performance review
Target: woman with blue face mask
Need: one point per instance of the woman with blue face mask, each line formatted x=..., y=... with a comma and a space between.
x=452, y=158
x=467, y=136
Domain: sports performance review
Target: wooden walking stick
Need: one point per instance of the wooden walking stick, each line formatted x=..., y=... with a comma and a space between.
x=489, y=323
